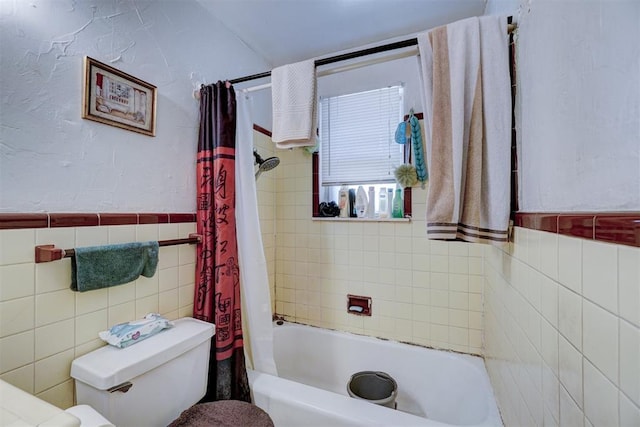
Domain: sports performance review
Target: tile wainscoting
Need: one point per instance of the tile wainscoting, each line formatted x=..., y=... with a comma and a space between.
x=44, y=325
x=560, y=313
x=562, y=324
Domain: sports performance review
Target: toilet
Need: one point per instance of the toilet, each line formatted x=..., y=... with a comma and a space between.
x=88, y=416
x=19, y=408
x=149, y=383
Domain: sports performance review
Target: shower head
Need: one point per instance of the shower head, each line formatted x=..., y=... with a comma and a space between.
x=265, y=165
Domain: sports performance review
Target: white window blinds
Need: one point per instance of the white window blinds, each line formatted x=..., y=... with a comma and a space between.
x=357, y=143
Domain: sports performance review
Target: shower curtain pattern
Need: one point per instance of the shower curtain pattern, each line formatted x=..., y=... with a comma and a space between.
x=217, y=290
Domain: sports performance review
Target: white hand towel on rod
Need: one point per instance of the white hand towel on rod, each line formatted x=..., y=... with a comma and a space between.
x=293, y=99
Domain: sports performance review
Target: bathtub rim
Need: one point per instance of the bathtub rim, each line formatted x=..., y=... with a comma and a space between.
x=477, y=362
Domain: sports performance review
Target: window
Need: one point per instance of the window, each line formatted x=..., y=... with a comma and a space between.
x=357, y=143
x=357, y=137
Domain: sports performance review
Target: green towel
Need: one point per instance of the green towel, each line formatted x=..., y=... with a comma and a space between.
x=96, y=267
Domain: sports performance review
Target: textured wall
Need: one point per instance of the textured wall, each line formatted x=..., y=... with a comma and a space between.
x=578, y=107
x=53, y=160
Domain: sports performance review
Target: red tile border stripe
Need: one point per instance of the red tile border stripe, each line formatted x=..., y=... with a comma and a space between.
x=613, y=227
x=73, y=220
x=262, y=130
x=151, y=218
x=621, y=228
x=118, y=218
x=11, y=221
x=182, y=217
x=576, y=225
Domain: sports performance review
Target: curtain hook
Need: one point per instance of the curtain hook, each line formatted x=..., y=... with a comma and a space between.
x=410, y=114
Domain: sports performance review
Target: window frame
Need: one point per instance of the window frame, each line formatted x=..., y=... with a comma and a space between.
x=316, y=177
x=315, y=185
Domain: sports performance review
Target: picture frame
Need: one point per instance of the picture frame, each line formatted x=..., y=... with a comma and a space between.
x=118, y=99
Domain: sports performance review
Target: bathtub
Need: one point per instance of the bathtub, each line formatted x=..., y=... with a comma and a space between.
x=435, y=388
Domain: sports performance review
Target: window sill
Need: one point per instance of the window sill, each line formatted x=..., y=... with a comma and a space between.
x=338, y=219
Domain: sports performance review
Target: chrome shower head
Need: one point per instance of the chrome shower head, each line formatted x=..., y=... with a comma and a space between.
x=265, y=165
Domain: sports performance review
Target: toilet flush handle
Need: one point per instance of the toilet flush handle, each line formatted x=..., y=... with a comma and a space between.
x=123, y=388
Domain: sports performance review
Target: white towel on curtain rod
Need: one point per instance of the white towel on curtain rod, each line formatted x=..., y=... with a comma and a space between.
x=293, y=101
x=348, y=67
x=466, y=84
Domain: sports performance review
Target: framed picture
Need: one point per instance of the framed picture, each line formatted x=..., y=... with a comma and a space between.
x=118, y=99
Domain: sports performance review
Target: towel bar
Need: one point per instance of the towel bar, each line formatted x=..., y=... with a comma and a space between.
x=47, y=253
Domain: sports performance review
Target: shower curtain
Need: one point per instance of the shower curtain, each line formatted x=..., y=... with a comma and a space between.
x=217, y=290
x=253, y=265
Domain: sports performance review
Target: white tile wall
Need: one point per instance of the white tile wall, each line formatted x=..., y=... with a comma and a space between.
x=266, y=195
x=44, y=325
x=600, y=398
x=601, y=339
x=630, y=361
x=628, y=289
x=600, y=274
x=424, y=292
x=570, y=317
x=588, y=355
x=570, y=262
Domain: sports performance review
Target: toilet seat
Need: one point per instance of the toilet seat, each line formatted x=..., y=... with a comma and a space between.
x=88, y=416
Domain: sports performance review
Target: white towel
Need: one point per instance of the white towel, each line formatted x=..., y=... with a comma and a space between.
x=465, y=70
x=293, y=101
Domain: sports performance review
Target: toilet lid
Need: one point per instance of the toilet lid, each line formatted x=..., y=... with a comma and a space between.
x=110, y=366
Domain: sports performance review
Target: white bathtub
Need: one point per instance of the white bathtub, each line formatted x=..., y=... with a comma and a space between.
x=435, y=388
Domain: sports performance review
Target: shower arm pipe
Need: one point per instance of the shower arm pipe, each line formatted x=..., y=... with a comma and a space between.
x=352, y=55
x=47, y=253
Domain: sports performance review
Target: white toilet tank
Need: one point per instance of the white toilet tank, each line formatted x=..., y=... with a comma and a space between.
x=167, y=373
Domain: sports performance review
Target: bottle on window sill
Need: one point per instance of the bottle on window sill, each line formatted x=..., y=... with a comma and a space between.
x=371, y=209
x=361, y=202
x=383, y=209
x=398, y=204
x=343, y=201
x=352, y=203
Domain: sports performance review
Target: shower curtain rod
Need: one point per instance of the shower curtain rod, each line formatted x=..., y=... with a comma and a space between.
x=341, y=69
x=342, y=57
x=352, y=55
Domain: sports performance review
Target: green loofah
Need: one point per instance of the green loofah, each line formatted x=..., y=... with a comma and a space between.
x=312, y=149
x=416, y=141
x=406, y=175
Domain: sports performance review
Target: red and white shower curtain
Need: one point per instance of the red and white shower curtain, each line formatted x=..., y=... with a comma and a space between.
x=217, y=289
